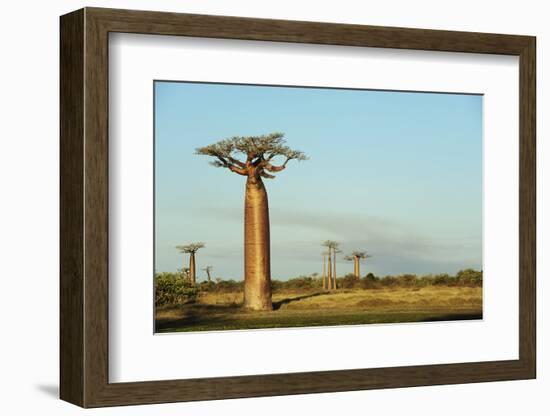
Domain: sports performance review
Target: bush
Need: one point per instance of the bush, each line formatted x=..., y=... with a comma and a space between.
x=371, y=277
x=228, y=286
x=469, y=277
x=389, y=281
x=441, y=279
x=301, y=282
x=370, y=281
x=172, y=288
x=349, y=282
x=407, y=280
x=207, y=286
x=276, y=285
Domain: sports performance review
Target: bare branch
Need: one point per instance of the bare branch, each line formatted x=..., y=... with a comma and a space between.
x=259, y=161
x=222, y=161
x=236, y=162
x=272, y=168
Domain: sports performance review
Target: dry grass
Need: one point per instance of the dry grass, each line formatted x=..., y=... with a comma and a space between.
x=391, y=298
x=394, y=299
x=312, y=308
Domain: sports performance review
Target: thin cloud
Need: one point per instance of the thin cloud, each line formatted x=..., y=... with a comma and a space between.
x=396, y=247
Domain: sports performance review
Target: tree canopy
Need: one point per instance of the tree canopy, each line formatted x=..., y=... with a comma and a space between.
x=190, y=248
x=258, y=151
x=357, y=254
x=330, y=244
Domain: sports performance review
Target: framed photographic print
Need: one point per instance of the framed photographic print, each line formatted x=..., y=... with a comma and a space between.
x=255, y=207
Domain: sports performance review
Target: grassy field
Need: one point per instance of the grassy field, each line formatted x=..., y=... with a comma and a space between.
x=222, y=311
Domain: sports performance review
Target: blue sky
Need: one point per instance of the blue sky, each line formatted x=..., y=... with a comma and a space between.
x=398, y=174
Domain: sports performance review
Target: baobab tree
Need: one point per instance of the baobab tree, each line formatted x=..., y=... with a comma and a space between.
x=259, y=153
x=191, y=249
x=356, y=257
x=332, y=247
x=325, y=254
x=208, y=269
x=335, y=250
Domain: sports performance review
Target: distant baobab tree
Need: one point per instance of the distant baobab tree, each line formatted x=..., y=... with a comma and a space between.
x=259, y=152
x=208, y=269
x=356, y=257
x=325, y=254
x=332, y=247
x=191, y=249
x=335, y=251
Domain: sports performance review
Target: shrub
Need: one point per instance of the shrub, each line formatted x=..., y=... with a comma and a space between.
x=443, y=279
x=349, y=282
x=276, y=285
x=389, y=281
x=301, y=282
x=469, y=277
x=371, y=277
x=229, y=286
x=207, y=286
x=407, y=280
x=172, y=288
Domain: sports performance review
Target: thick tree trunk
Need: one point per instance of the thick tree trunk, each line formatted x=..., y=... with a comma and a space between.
x=356, y=268
x=192, y=273
x=257, y=271
x=208, y=274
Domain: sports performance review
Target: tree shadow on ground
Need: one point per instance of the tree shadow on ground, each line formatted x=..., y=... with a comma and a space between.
x=277, y=305
x=201, y=315
x=197, y=315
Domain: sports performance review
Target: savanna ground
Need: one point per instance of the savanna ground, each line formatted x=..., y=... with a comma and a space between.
x=299, y=307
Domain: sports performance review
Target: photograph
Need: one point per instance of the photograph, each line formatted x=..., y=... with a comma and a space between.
x=280, y=206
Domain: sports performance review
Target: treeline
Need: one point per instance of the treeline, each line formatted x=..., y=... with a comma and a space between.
x=175, y=288
x=466, y=277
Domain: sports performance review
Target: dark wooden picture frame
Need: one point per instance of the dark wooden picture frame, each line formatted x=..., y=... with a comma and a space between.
x=84, y=207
